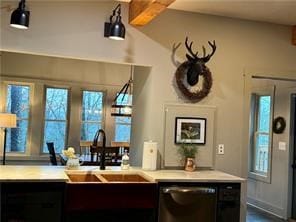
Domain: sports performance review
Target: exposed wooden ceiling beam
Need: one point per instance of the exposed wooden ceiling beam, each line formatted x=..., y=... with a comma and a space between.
x=143, y=11
x=294, y=35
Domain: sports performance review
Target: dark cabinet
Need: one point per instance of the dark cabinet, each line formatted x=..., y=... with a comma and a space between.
x=32, y=202
x=228, y=206
x=101, y=202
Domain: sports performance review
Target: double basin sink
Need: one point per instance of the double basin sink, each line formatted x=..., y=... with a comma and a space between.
x=92, y=191
x=86, y=177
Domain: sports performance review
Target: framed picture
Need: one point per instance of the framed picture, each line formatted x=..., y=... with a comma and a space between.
x=190, y=130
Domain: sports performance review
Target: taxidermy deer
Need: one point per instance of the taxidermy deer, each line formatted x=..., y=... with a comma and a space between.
x=189, y=72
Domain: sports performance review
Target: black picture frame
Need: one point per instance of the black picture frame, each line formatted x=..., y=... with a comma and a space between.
x=190, y=130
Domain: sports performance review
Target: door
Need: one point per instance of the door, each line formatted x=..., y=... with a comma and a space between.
x=293, y=133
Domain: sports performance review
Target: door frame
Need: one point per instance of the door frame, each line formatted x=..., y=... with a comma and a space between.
x=292, y=174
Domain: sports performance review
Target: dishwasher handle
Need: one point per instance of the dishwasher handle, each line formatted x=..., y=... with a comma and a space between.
x=189, y=190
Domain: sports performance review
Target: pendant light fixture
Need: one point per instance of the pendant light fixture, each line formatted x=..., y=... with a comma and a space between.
x=115, y=29
x=122, y=104
x=20, y=17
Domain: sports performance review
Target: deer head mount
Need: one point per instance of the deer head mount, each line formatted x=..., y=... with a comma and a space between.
x=189, y=72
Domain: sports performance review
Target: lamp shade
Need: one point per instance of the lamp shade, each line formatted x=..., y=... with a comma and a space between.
x=20, y=17
x=7, y=120
x=117, y=30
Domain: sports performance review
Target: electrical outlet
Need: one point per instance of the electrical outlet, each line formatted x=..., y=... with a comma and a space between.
x=221, y=149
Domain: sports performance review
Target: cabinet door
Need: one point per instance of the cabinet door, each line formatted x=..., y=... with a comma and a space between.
x=32, y=202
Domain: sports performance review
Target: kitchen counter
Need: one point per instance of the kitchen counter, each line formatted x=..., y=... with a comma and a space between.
x=58, y=174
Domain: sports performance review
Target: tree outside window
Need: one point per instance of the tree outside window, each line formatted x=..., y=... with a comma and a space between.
x=123, y=124
x=18, y=102
x=91, y=114
x=56, y=118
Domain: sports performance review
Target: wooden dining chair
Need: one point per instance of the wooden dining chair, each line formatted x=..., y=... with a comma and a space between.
x=52, y=154
x=85, y=147
x=122, y=146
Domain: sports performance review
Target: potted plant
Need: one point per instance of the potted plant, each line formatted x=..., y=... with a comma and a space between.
x=188, y=152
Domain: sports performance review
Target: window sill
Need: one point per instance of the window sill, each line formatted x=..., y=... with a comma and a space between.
x=260, y=177
x=26, y=158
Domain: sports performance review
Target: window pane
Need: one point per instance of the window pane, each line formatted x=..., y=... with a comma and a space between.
x=91, y=114
x=54, y=132
x=123, y=124
x=264, y=113
x=124, y=99
x=261, y=157
x=92, y=106
x=18, y=102
x=56, y=104
x=122, y=133
x=123, y=120
x=55, y=126
x=88, y=131
x=16, y=139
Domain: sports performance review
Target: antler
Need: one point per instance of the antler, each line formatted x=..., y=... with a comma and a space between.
x=189, y=48
x=175, y=47
x=193, y=56
x=205, y=59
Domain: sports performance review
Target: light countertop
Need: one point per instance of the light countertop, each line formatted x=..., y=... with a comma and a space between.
x=58, y=173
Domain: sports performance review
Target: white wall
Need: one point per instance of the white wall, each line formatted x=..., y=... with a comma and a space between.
x=75, y=29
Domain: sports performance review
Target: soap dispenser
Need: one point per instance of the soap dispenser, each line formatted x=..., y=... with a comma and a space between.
x=125, y=161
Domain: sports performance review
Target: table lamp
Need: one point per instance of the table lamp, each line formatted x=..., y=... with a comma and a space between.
x=7, y=120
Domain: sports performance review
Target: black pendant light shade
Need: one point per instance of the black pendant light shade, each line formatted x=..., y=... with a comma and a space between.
x=20, y=17
x=115, y=29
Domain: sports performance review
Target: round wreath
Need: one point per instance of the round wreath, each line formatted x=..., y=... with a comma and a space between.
x=206, y=85
x=279, y=125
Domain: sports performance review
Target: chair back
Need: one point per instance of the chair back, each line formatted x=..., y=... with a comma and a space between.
x=52, y=155
x=85, y=146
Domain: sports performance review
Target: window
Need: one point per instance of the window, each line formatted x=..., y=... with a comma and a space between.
x=262, y=131
x=18, y=102
x=56, y=118
x=91, y=114
x=123, y=124
x=261, y=136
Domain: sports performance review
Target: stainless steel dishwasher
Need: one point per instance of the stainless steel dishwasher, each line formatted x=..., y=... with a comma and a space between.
x=187, y=204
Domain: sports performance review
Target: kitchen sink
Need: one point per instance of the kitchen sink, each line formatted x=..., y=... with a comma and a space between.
x=97, y=190
x=83, y=177
x=128, y=178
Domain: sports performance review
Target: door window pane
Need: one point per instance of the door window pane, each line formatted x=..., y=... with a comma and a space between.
x=56, y=118
x=91, y=114
x=18, y=102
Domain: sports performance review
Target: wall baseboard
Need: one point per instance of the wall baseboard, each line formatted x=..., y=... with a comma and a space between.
x=278, y=212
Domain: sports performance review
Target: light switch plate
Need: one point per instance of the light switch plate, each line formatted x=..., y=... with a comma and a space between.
x=282, y=146
x=221, y=149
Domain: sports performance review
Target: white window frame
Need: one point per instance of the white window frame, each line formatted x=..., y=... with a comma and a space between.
x=67, y=115
x=102, y=122
x=254, y=174
x=3, y=108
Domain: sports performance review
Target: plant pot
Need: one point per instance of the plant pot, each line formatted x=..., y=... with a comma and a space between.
x=190, y=164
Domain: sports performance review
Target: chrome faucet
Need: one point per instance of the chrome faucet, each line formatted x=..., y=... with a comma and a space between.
x=102, y=159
